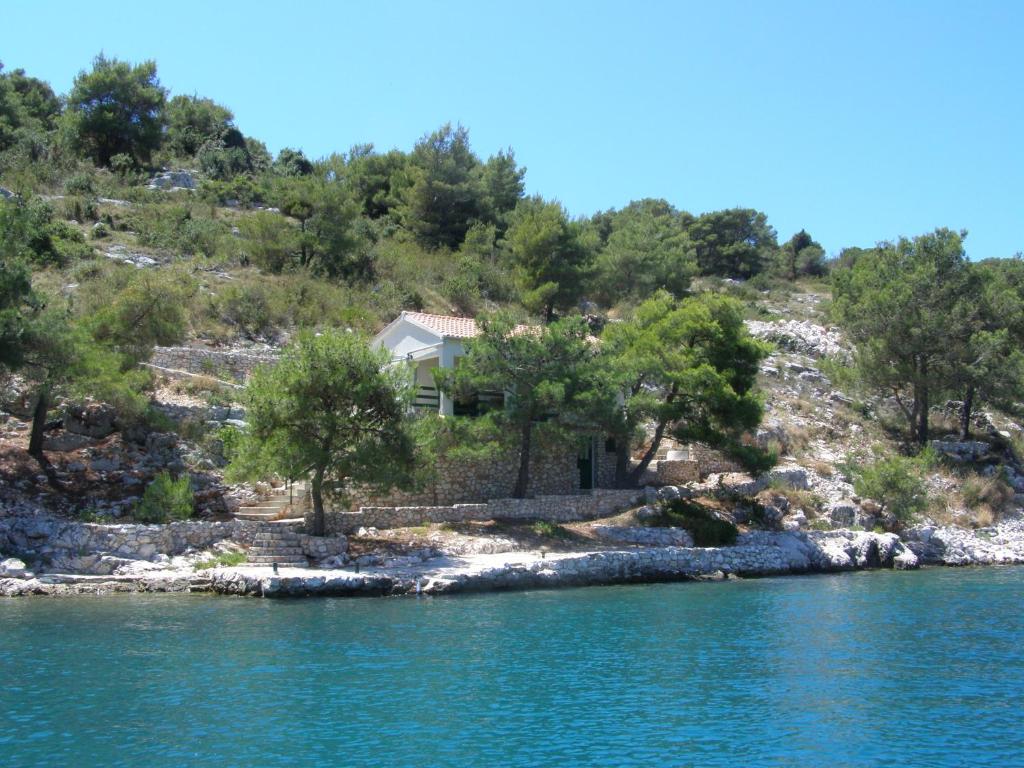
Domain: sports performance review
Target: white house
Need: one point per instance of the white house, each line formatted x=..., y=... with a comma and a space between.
x=429, y=342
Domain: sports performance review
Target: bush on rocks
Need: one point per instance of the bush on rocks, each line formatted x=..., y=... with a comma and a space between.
x=706, y=529
x=165, y=500
x=895, y=483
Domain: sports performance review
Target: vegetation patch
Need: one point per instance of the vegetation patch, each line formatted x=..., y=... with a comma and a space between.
x=896, y=483
x=221, y=560
x=166, y=499
x=550, y=530
x=706, y=529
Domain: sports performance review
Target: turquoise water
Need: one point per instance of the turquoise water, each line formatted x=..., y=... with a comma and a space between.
x=883, y=668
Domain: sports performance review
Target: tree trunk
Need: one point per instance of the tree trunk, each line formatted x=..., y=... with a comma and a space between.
x=652, y=451
x=649, y=454
x=922, y=416
x=966, y=409
x=35, y=440
x=523, y=478
x=621, y=462
x=317, y=492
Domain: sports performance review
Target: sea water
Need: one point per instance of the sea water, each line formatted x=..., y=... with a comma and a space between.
x=869, y=669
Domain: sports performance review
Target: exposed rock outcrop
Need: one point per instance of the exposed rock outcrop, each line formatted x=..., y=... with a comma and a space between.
x=801, y=336
x=173, y=180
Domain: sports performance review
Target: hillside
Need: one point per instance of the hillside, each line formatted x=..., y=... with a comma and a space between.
x=149, y=266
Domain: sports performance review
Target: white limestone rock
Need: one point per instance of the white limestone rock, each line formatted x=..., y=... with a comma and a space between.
x=173, y=180
x=13, y=568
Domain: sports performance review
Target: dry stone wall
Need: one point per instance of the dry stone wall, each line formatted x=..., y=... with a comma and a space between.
x=677, y=472
x=710, y=461
x=59, y=544
x=221, y=364
x=555, y=509
x=605, y=465
x=552, y=472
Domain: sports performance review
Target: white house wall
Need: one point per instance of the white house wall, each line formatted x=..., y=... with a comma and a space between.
x=405, y=338
x=425, y=372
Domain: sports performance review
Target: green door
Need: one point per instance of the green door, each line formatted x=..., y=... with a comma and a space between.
x=585, y=462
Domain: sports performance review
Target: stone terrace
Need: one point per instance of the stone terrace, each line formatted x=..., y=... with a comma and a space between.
x=555, y=509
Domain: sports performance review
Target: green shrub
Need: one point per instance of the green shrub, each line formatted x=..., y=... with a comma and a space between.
x=896, y=483
x=549, y=530
x=240, y=189
x=81, y=183
x=706, y=529
x=176, y=228
x=165, y=500
x=249, y=307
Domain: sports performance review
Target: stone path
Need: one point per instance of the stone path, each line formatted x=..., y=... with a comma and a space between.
x=277, y=507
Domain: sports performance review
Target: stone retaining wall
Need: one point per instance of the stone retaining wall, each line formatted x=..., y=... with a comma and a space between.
x=645, y=537
x=217, y=363
x=58, y=544
x=677, y=472
x=555, y=509
x=320, y=547
x=552, y=472
x=710, y=461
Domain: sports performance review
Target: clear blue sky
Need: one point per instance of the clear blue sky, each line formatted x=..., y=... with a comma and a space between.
x=858, y=121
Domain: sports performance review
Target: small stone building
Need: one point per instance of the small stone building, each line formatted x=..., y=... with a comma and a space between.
x=427, y=342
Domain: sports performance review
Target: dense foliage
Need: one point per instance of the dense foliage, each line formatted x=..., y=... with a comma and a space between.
x=166, y=499
x=896, y=483
x=688, y=367
x=545, y=370
x=331, y=411
x=267, y=248
x=929, y=324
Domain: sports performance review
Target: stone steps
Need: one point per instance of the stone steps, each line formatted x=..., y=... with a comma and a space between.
x=289, y=560
x=278, y=506
x=265, y=550
x=277, y=545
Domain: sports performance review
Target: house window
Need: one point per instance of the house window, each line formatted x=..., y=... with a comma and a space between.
x=609, y=445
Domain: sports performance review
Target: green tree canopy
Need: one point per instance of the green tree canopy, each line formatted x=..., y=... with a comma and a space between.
x=988, y=367
x=193, y=121
x=503, y=187
x=332, y=410
x=138, y=310
x=736, y=242
x=690, y=368
x=907, y=307
x=18, y=306
x=545, y=370
x=291, y=162
x=117, y=108
x=377, y=181
x=444, y=193
x=329, y=242
x=27, y=105
x=801, y=255
x=647, y=247
x=549, y=254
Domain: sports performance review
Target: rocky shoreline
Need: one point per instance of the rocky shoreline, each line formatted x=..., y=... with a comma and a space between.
x=756, y=554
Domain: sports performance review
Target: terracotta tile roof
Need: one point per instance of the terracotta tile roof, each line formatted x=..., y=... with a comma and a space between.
x=452, y=327
x=446, y=325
